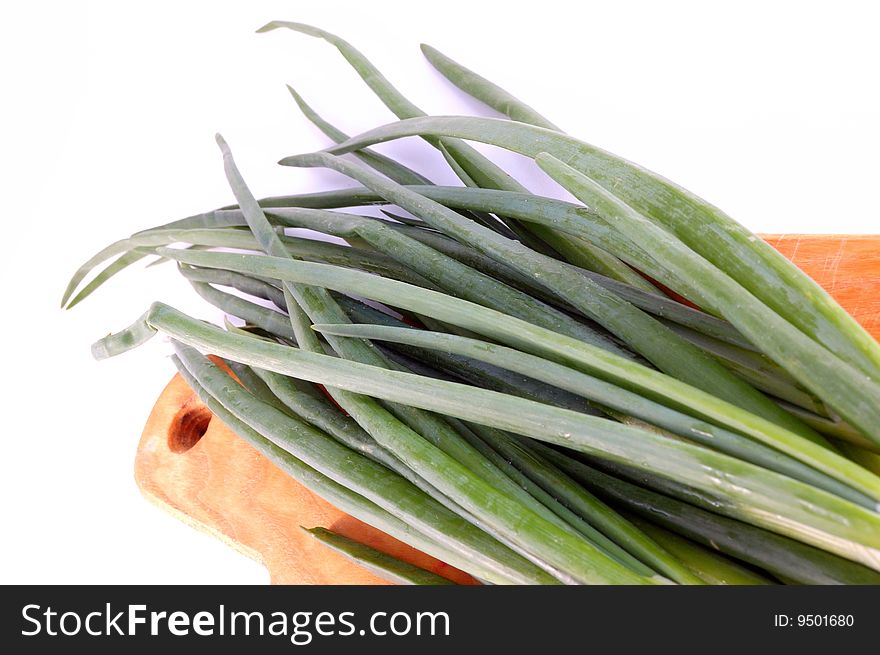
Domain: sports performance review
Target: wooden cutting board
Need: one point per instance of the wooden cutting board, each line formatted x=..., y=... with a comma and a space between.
x=191, y=465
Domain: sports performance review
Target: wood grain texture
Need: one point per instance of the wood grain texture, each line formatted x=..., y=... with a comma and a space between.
x=847, y=266
x=192, y=466
x=223, y=486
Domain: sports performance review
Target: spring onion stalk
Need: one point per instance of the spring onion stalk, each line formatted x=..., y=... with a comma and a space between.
x=469, y=369
x=488, y=436
x=866, y=458
x=401, y=362
x=372, y=414
x=321, y=414
x=464, y=160
x=736, y=488
x=125, y=260
x=444, y=271
x=254, y=331
x=733, y=249
x=485, y=91
x=846, y=388
x=472, y=167
x=277, y=323
x=473, y=372
x=641, y=332
x=247, y=378
x=758, y=369
x=538, y=341
x=528, y=207
x=558, y=417
x=459, y=368
x=671, y=311
x=584, y=505
x=385, y=165
x=409, y=221
x=714, y=568
x=265, y=318
x=504, y=478
x=245, y=284
x=324, y=414
x=522, y=233
x=835, y=479
x=760, y=377
x=779, y=390
x=434, y=428
x=485, y=558
x=745, y=357
x=144, y=243
x=128, y=252
x=569, y=218
x=502, y=101
x=833, y=427
x=495, y=224
x=563, y=216
x=560, y=549
x=513, y=108
x=375, y=561
x=527, y=530
x=779, y=555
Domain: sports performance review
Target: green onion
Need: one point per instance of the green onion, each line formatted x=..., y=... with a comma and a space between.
x=538, y=341
x=485, y=560
x=473, y=168
x=779, y=555
x=464, y=368
x=628, y=403
x=383, y=565
x=844, y=387
x=501, y=380
x=565, y=216
x=385, y=165
x=446, y=272
x=537, y=472
x=733, y=487
x=144, y=243
x=733, y=249
x=561, y=550
x=562, y=216
x=662, y=347
x=484, y=90
x=491, y=444
x=591, y=565
x=708, y=565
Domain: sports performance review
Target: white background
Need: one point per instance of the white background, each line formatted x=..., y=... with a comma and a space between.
x=769, y=109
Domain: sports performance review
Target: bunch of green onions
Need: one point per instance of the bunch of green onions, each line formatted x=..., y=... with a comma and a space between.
x=633, y=389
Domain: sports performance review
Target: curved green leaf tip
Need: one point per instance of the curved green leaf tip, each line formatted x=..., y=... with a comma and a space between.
x=268, y=27
x=296, y=27
x=224, y=147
